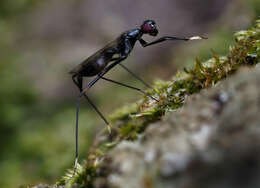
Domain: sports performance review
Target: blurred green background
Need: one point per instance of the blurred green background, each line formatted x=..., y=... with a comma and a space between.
x=40, y=41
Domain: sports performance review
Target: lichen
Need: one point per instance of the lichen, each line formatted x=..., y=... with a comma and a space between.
x=129, y=122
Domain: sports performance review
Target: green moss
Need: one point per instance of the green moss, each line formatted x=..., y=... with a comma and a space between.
x=128, y=131
x=130, y=121
x=124, y=113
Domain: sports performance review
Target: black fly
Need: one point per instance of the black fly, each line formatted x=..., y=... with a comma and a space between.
x=103, y=60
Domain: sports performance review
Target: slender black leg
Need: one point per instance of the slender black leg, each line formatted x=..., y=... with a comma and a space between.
x=83, y=93
x=96, y=109
x=89, y=101
x=76, y=136
x=134, y=75
x=131, y=87
x=145, y=44
x=78, y=82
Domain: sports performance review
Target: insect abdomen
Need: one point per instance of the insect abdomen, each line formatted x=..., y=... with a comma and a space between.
x=93, y=68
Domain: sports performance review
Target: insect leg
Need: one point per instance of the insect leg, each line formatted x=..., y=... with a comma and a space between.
x=90, y=84
x=134, y=75
x=145, y=44
x=90, y=102
x=83, y=93
x=78, y=82
x=131, y=87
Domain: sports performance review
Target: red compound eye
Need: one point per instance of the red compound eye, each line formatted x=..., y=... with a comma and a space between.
x=147, y=28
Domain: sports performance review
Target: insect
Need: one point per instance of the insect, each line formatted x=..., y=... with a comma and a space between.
x=108, y=57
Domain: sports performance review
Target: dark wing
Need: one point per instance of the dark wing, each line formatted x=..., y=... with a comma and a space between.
x=94, y=57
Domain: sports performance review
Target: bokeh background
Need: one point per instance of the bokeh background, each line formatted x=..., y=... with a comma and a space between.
x=40, y=41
